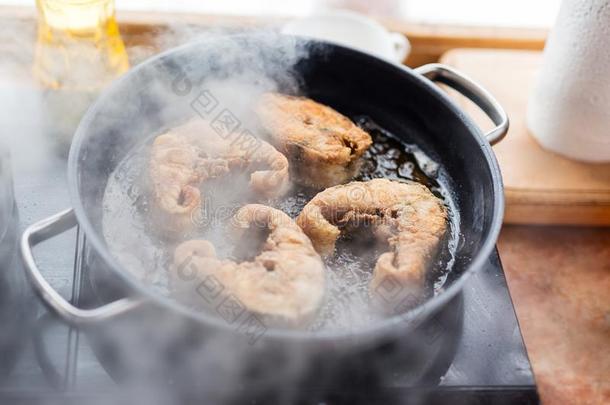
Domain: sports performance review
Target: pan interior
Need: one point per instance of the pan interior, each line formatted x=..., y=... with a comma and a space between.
x=397, y=106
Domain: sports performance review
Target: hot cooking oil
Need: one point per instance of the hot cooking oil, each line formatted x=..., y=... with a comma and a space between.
x=131, y=239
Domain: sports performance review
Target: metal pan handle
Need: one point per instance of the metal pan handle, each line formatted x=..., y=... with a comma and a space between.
x=46, y=229
x=469, y=88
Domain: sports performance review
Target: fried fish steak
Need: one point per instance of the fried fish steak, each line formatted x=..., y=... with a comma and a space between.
x=284, y=283
x=184, y=158
x=323, y=146
x=406, y=216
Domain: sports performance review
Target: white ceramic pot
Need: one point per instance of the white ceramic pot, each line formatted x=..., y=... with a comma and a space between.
x=569, y=108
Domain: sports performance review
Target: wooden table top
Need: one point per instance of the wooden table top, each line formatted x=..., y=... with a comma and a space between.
x=559, y=279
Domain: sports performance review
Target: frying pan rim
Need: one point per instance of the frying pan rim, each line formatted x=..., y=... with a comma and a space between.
x=384, y=326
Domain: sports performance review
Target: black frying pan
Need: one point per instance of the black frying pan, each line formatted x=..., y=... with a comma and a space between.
x=404, y=101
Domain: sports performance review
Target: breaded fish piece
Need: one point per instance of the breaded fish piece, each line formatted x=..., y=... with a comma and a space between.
x=406, y=215
x=323, y=146
x=182, y=159
x=284, y=283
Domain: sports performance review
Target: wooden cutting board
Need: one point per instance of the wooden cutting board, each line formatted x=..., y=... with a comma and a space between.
x=541, y=187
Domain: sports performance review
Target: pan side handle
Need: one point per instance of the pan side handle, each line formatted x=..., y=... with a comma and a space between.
x=46, y=229
x=472, y=90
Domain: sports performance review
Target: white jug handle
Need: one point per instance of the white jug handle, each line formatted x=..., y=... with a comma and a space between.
x=401, y=45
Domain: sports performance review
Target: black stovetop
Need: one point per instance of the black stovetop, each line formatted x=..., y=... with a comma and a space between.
x=42, y=360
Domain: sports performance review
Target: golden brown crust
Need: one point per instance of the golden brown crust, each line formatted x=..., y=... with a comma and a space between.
x=284, y=283
x=324, y=146
x=406, y=215
x=182, y=159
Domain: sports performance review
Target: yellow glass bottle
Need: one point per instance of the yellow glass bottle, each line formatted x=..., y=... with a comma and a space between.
x=78, y=52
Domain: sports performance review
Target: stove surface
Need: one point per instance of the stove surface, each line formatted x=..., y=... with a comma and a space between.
x=49, y=362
